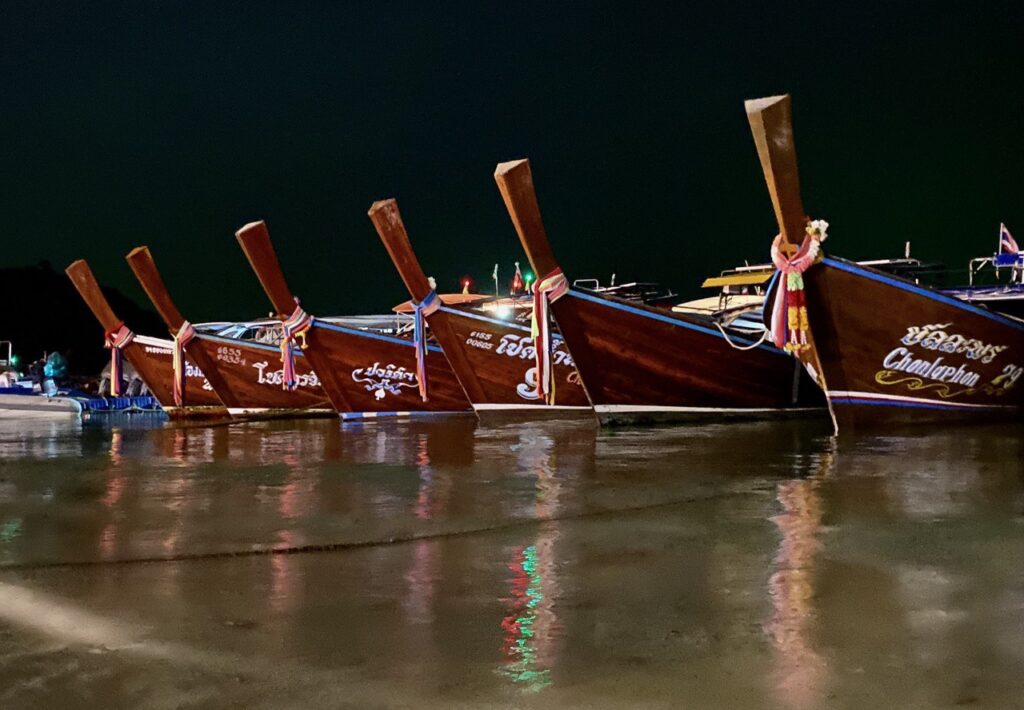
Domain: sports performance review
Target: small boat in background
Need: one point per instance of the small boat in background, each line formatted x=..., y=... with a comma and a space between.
x=152, y=358
x=494, y=358
x=245, y=372
x=884, y=348
x=640, y=362
x=1002, y=297
x=365, y=374
x=24, y=403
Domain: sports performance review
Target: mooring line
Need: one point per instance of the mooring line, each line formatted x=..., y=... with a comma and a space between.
x=313, y=548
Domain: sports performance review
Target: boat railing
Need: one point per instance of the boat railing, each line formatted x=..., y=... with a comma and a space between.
x=1014, y=262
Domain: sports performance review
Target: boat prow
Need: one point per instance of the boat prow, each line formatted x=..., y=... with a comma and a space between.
x=152, y=358
x=366, y=375
x=493, y=358
x=640, y=363
x=245, y=374
x=886, y=349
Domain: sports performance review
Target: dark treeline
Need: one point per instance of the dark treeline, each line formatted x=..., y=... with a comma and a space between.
x=43, y=312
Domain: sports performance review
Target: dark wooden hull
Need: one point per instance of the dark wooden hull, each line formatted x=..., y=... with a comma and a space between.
x=878, y=371
x=500, y=356
x=642, y=363
x=253, y=374
x=153, y=360
x=369, y=375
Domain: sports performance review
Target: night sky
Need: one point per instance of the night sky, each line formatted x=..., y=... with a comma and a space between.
x=171, y=125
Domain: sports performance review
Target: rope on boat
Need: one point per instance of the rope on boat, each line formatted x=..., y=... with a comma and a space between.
x=764, y=337
x=185, y=335
x=546, y=291
x=116, y=338
x=294, y=327
x=430, y=303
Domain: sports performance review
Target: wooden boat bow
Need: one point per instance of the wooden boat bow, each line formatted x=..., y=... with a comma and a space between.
x=85, y=282
x=259, y=250
x=388, y=222
x=771, y=122
x=144, y=267
x=389, y=225
x=515, y=182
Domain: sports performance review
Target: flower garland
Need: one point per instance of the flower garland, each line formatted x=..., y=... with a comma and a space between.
x=790, y=326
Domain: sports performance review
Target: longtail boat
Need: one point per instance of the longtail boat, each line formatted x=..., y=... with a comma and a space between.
x=152, y=358
x=245, y=374
x=365, y=374
x=643, y=363
x=494, y=359
x=884, y=349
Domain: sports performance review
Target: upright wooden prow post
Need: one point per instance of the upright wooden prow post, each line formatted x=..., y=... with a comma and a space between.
x=144, y=267
x=771, y=122
x=85, y=282
x=388, y=222
x=515, y=182
x=259, y=250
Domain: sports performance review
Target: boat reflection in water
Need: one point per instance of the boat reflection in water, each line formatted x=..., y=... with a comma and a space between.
x=450, y=564
x=800, y=670
x=532, y=632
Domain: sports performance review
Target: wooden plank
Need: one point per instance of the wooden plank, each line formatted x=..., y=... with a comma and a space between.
x=515, y=182
x=771, y=122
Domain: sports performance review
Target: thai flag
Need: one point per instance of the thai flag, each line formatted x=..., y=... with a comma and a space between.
x=1007, y=244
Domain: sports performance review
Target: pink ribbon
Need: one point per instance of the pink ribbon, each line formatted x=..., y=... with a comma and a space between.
x=115, y=339
x=545, y=292
x=294, y=326
x=185, y=335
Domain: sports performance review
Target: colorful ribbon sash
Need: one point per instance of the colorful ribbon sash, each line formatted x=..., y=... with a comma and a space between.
x=430, y=303
x=545, y=292
x=294, y=326
x=185, y=335
x=115, y=339
x=790, y=326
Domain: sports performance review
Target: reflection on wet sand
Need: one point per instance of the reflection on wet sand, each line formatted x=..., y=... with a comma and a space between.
x=800, y=671
x=536, y=565
x=532, y=633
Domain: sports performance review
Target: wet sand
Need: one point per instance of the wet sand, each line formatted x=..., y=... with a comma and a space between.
x=315, y=564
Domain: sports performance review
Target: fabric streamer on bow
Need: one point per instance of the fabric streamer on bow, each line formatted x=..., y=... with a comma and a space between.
x=186, y=333
x=545, y=292
x=790, y=327
x=295, y=326
x=115, y=339
x=430, y=303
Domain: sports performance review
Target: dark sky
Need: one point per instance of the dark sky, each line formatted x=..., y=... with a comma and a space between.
x=172, y=124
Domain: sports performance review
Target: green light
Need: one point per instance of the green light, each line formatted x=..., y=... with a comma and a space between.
x=528, y=277
x=14, y=360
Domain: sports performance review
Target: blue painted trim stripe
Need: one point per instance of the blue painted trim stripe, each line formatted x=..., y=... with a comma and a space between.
x=365, y=334
x=922, y=291
x=916, y=405
x=671, y=321
x=363, y=416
